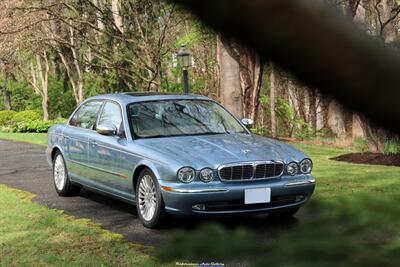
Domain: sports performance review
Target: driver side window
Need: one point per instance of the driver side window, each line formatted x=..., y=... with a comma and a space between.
x=86, y=116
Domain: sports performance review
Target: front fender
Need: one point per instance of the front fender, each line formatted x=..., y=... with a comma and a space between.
x=148, y=164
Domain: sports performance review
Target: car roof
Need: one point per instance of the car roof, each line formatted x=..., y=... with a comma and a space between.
x=132, y=97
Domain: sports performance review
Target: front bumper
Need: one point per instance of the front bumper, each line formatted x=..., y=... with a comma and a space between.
x=227, y=198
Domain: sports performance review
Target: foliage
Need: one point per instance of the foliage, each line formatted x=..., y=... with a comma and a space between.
x=348, y=231
x=62, y=102
x=261, y=130
x=361, y=145
x=392, y=146
x=288, y=121
x=25, y=116
x=33, y=235
x=6, y=116
x=35, y=126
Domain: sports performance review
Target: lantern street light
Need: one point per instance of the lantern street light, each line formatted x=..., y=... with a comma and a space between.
x=185, y=61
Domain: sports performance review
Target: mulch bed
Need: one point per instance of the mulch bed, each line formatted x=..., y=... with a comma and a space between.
x=370, y=158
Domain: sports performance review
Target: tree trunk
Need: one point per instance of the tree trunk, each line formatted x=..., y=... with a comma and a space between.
x=375, y=137
x=387, y=22
x=336, y=119
x=6, y=92
x=313, y=110
x=43, y=71
x=45, y=107
x=116, y=12
x=230, y=93
x=272, y=99
x=251, y=73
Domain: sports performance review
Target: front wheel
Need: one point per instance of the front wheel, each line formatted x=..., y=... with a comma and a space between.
x=63, y=185
x=149, y=202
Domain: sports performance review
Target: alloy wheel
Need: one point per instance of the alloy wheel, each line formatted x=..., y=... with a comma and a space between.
x=147, y=197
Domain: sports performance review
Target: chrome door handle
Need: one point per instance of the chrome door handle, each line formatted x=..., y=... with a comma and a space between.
x=93, y=143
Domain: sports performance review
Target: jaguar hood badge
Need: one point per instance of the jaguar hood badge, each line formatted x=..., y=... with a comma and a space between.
x=246, y=151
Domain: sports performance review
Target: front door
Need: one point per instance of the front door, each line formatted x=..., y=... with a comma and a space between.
x=105, y=152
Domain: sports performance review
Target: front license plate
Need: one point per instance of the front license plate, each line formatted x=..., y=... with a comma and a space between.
x=257, y=195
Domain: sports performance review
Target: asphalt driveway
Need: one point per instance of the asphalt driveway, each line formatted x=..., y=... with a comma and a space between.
x=24, y=166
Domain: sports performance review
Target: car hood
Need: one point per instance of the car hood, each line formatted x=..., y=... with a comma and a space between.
x=214, y=150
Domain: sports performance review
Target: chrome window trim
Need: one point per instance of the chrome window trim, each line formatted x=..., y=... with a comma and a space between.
x=254, y=164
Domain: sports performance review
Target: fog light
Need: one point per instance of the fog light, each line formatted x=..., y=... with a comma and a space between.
x=299, y=198
x=199, y=207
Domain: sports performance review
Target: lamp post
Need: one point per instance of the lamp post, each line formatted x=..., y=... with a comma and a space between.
x=185, y=61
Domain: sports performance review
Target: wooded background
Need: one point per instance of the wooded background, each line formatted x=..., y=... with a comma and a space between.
x=56, y=53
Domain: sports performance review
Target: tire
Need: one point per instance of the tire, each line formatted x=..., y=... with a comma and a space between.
x=287, y=213
x=149, y=203
x=62, y=184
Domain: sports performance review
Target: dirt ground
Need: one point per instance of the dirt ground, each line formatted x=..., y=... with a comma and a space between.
x=370, y=158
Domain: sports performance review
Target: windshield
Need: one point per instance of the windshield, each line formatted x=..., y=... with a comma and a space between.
x=181, y=117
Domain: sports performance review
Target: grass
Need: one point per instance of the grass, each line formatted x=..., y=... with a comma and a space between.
x=33, y=235
x=336, y=178
x=354, y=208
x=34, y=138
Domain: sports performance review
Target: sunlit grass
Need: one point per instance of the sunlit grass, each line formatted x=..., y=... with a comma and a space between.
x=336, y=178
x=34, y=138
x=33, y=235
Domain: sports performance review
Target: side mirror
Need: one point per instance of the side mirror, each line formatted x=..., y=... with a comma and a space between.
x=106, y=129
x=248, y=123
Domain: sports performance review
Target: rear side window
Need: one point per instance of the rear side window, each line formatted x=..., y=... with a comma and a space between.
x=111, y=115
x=86, y=116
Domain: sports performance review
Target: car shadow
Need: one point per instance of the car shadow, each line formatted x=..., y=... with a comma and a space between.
x=259, y=223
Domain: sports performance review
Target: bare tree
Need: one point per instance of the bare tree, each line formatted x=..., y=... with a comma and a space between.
x=39, y=80
x=272, y=99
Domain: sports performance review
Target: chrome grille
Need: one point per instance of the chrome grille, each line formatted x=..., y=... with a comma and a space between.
x=251, y=170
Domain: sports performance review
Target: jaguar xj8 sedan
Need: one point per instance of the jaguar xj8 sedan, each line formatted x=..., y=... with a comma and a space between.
x=181, y=155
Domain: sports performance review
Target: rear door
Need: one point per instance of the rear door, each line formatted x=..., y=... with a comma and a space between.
x=80, y=126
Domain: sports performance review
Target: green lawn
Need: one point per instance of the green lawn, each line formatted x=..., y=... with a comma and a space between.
x=34, y=138
x=336, y=178
x=32, y=234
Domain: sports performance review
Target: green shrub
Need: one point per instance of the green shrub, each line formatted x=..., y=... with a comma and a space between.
x=361, y=145
x=6, y=116
x=36, y=126
x=59, y=121
x=392, y=147
x=262, y=130
x=26, y=116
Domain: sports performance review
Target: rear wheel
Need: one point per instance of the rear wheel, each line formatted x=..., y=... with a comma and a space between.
x=63, y=185
x=149, y=202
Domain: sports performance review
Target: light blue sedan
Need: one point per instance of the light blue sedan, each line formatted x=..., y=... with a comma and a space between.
x=181, y=155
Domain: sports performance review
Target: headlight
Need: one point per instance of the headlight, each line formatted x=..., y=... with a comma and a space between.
x=306, y=166
x=292, y=168
x=206, y=175
x=186, y=175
